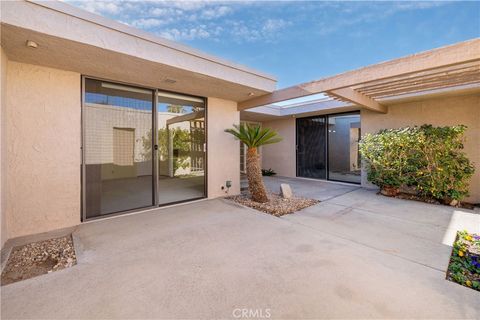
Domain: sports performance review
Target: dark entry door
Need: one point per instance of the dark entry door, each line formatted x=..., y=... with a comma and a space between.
x=311, y=147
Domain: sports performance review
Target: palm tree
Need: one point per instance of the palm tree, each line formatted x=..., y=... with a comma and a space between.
x=253, y=136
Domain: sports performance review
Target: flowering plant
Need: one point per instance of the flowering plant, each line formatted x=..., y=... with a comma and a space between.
x=464, y=267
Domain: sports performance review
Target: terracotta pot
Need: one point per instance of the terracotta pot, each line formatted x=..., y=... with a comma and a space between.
x=390, y=191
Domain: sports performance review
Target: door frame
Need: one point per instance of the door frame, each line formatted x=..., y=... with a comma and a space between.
x=155, y=169
x=327, y=144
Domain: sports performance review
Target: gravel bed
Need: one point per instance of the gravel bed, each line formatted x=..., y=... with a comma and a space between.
x=277, y=205
x=39, y=258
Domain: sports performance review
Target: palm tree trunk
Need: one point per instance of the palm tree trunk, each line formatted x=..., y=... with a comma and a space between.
x=254, y=176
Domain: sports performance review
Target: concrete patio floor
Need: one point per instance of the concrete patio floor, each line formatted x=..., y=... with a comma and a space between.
x=354, y=255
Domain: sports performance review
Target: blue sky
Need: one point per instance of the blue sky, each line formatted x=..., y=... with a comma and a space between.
x=300, y=41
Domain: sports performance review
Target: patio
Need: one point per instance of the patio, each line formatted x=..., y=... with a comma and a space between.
x=354, y=255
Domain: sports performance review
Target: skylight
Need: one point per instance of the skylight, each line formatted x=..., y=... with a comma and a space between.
x=301, y=100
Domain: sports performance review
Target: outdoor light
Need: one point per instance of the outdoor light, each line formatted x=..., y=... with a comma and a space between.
x=228, y=184
x=31, y=44
x=251, y=94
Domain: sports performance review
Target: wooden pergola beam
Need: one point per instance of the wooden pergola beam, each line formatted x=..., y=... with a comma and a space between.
x=463, y=52
x=358, y=98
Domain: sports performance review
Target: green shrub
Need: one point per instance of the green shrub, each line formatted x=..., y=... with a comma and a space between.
x=387, y=155
x=428, y=158
x=268, y=172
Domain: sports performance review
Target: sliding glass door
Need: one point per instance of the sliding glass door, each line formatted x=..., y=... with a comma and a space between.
x=327, y=147
x=117, y=125
x=181, y=147
x=141, y=148
x=343, y=153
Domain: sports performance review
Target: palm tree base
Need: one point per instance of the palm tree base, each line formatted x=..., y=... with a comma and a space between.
x=256, y=186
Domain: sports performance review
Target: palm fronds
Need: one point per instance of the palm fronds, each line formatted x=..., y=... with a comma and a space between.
x=254, y=136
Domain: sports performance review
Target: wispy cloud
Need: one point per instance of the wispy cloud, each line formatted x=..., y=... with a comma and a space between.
x=189, y=20
x=356, y=13
x=244, y=21
x=101, y=7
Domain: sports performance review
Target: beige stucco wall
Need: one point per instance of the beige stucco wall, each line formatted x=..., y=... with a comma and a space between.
x=223, y=150
x=3, y=144
x=439, y=112
x=281, y=156
x=43, y=149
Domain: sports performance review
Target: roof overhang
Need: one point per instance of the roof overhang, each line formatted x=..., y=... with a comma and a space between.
x=453, y=69
x=71, y=39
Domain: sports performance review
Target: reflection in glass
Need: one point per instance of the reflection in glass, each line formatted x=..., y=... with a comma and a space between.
x=181, y=147
x=118, y=165
x=311, y=159
x=343, y=152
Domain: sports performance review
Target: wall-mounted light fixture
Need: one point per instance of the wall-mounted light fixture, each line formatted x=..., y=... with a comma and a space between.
x=31, y=44
x=251, y=94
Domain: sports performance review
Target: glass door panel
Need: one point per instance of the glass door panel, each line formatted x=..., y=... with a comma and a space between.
x=243, y=158
x=343, y=154
x=118, y=123
x=181, y=144
x=311, y=146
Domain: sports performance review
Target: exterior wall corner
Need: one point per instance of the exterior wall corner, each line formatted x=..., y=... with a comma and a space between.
x=223, y=154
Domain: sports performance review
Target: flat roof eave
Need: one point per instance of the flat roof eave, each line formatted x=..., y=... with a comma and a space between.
x=69, y=24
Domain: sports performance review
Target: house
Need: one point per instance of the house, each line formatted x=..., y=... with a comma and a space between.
x=439, y=87
x=100, y=119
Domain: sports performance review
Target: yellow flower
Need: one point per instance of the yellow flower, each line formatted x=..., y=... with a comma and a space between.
x=468, y=283
x=469, y=238
x=460, y=253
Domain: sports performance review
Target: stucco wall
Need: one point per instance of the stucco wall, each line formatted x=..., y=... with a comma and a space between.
x=281, y=156
x=439, y=112
x=223, y=149
x=3, y=153
x=43, y=149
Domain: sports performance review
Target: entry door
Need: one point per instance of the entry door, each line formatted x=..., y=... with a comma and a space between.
x=118, y=162
x=311, y=147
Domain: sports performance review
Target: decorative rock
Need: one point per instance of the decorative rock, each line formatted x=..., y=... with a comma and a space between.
x=454, y=203
x=286, y=191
